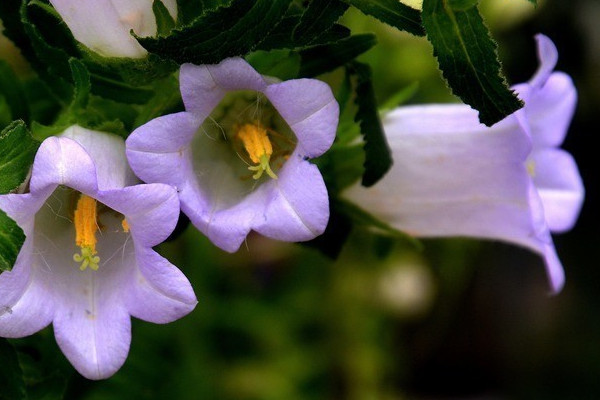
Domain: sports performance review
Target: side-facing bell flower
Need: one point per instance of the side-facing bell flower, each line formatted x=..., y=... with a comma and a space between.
x=243, y=165
x=453, y=176
x=87, y=263
x=104, y=25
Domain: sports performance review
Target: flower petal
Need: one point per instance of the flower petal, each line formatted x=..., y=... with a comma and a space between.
x=547, y=56
x=160, y=293
x=159, y=150
x=97, y=345
x=560, y=187
x=309, y=108
x=151, y=210
x=108, y=153
x=203, y=86
x=25, y=307
x=298, y=206
x=98, y=25
x=62, y=161
x=549, y=109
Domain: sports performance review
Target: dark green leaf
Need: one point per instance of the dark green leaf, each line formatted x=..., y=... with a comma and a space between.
x=462, y=4
x=11, y=240
x=164, y=20
x=393, y=13
x=378, y=158
x=364, y=219
x=81, y=80
x=320, y=15
x=341, y=167
x=282, y=36
x=332, y=241
x=13, y=92
x=12, y=386
x=18, y=150
x=225, y=32
x=467, y=57
x=320, y=59
x=282, y=64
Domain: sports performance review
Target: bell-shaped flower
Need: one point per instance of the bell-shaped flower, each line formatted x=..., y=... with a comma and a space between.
x=453, y=176
x=104, y=26
x=87, y=263
x=238, y=154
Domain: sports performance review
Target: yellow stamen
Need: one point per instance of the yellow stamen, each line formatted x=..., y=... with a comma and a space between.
x=258, y=146
x=85, y=232
x=125, y=225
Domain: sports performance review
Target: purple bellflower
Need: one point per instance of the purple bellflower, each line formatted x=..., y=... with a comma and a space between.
x=87, y=263
x=104, y=25
x=238, y=154
x=453, y=176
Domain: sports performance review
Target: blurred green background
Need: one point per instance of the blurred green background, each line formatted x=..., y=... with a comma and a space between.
x=461, y=319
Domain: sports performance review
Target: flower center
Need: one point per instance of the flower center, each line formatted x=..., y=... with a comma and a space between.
x=256, y=142
x=86, y=226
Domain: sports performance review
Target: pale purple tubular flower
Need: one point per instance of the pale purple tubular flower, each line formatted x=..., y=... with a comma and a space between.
x=104, y=26
x=248, y=174
x=453, y=176
x=88, y=289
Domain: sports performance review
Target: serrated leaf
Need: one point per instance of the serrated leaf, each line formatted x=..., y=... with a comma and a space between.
x=225, y=32
x=164, y=21
x=12, y=386
x=320, y=15
x=378, y=158
x=18, y=150
x=320, y=59
x=393, y=13
x=468, y=59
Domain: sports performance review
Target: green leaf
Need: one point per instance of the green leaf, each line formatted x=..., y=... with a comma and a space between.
x=282, y=37
x=467, y=57
x=392, y=12
x=282, y=64
x=320, y=15
x=225, y=32
x=18, y=150
x=164, y=21
x=400, y=97
x=81, y=79
x=364, y=219
x=378, y=158
x=12, y=386
x=461, y=5
x=11, y=240
x=13, y=92
x=320, y=59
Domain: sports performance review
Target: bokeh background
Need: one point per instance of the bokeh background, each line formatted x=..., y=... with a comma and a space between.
x=460, y=319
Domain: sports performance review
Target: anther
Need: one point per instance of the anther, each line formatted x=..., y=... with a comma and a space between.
x=86, y=226
x=258, y=146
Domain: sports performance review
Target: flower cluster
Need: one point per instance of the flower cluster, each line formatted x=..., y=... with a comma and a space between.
x=238, y=159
